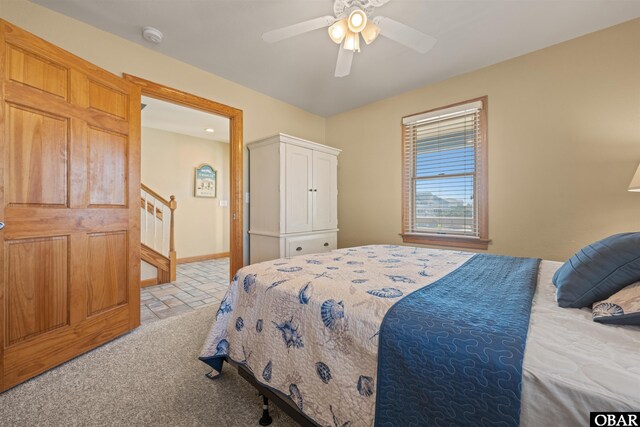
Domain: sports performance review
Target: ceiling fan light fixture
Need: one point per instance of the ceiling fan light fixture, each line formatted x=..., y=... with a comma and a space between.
x=370, y=32
x=357, y=20
x=352, y=42
x=338, y=31
x=350, y=19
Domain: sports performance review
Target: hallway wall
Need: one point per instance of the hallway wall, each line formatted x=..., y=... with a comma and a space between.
x=168, y=164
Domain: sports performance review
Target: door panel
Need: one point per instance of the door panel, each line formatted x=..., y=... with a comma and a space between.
x=37, y=157
x=69, y=145
x=107, y=265
x=107, y=100
x=107, y=167
x=32, y=70
x=325, y=184
x=37, y=286
x=298, y=187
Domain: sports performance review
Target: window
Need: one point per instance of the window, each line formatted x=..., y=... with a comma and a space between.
x=445, y=176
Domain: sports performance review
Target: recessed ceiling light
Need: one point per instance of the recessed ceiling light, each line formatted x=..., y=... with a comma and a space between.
x=210, y=130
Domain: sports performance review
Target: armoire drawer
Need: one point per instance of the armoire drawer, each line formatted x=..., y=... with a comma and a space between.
x=315, y=243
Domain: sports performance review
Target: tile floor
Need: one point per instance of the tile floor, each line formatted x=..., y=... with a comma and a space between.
x=197, y=285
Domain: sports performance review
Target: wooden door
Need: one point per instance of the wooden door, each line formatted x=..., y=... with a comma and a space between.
x=325, y=191
x=69, y=250
x=298, y=189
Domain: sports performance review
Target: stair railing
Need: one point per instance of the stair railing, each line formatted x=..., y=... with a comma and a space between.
x=157, y=224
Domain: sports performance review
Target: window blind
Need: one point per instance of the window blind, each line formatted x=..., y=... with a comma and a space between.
x=441, y=167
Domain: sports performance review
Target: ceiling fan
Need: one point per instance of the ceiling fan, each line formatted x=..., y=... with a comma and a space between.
x=353, y=18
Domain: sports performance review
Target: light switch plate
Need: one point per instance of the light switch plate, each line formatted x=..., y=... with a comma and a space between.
x=224, y=203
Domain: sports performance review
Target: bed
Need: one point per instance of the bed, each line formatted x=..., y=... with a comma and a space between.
x=327, y=333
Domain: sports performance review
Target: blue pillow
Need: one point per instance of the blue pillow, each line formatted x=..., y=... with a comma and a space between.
x=598, y=271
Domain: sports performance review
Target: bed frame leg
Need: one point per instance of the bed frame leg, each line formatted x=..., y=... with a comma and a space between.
x=213, y=375
x=266, y=418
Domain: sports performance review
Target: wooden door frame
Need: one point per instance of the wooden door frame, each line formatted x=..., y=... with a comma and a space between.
x=175, y=96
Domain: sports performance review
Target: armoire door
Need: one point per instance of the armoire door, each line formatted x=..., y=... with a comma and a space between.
x=298, y=189
x=69, y=250
x=325, y=194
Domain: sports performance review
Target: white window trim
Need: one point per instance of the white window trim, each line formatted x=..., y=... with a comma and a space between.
x=480, y=241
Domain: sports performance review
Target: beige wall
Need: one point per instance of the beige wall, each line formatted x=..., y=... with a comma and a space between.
x=564, y=142
x=168, y=162
x=564, y=130
x=263, y=116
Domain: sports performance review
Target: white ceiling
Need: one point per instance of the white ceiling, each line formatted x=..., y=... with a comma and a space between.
x=186, y=121
x=224, y=37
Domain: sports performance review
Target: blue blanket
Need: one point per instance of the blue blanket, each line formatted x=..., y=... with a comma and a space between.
x=450, y=354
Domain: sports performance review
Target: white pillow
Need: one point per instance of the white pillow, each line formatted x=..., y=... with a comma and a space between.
x=621, y=308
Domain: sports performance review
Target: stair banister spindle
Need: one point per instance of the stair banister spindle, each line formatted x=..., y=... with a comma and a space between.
x=172, y=244
x=154, y=217
x=144, y=209
x=161, y=246
x=146, y=214
x=172, y=205
x=152, y=223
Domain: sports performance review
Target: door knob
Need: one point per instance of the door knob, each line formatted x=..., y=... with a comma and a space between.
x=299, y=248
x=1, y=225
x=326, y=244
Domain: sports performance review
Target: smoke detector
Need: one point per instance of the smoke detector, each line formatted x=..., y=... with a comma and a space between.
x=152, y=35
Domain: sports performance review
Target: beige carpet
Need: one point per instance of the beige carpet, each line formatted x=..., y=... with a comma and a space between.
x=148, y=377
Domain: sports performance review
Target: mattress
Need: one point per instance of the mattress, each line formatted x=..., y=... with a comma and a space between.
x=573, y=365
x=307, y=327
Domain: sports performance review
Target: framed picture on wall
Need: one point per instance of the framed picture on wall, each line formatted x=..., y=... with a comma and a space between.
x=205, y=181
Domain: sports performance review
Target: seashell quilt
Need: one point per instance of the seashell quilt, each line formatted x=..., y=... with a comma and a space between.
x=308, y=326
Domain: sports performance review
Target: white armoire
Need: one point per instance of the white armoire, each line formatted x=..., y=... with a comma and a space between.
x=293, y=188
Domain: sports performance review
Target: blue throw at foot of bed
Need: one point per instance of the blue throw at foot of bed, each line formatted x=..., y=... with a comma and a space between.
x=451, y=353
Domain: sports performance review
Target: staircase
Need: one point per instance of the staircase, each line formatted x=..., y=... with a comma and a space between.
x=157, y=234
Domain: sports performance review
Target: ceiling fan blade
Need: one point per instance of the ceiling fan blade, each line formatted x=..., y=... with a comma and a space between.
x=297, y=29
x=404, y=34
x=345, y=58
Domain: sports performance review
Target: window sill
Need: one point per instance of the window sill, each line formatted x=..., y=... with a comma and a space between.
x=446, y=241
